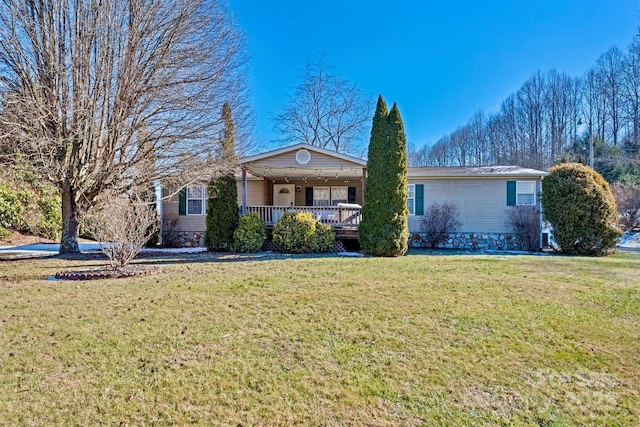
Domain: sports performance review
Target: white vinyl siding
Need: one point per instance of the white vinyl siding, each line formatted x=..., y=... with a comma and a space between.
x=526, y=193
x=480, y=202
x=255, y=192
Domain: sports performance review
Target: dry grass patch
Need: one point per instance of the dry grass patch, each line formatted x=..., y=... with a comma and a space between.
x=416, y=340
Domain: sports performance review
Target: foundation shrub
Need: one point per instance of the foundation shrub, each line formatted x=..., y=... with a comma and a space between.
x=578, y=203
x=525, y=223
x=250, y=234
x=440, y=221
x=301, y=233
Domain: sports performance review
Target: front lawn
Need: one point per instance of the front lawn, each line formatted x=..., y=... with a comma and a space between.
x=417, y=340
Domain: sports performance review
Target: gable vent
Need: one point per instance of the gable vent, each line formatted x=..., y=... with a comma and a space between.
x=303, y=156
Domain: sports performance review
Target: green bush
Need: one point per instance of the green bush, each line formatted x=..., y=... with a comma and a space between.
x=325, y=237
x=579, y=204
x=10, y=208
x=31, y=205
x=222, y=210
x=222, y=214
x=250, y=234
x=301, y=233
x=50, y=224
x=4, y=233
x=31, y=212
x=41, y=213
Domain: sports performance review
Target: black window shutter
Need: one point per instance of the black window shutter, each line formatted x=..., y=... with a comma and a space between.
x=182, y=202
x=511, y=193
x=419, y=199
x=351, y=198
x=308, y=196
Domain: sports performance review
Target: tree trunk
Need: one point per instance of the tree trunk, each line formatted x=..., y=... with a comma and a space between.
x=70, y=225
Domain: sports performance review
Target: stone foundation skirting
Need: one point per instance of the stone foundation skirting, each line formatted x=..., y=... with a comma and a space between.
x=195, y=239
x=471, y=241
x=183, y=239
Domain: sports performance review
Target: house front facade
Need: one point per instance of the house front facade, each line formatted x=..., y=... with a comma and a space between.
x=330, y=185
x=483, y=197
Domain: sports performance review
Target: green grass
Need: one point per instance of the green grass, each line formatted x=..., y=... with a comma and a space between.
x=417, y=340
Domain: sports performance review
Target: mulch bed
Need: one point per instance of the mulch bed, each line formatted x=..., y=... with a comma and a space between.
x=108, y=273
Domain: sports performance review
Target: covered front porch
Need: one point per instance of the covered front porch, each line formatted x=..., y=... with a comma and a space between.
x=303, y=178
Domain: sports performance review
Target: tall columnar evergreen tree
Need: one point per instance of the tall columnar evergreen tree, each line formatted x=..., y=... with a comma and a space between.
x=222, y=210
x=384, y=229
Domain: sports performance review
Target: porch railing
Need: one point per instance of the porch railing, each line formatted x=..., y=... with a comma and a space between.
x=348, y=216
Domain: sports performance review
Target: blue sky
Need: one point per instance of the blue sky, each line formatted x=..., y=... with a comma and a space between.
x=440, y=61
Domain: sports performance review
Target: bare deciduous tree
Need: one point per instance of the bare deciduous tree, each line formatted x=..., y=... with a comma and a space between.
x=94, y=89
x=122, y=224
x=326, y=111
x=525, y=223
x=440, y=220
x=631, y=94
x=610, y=68
x=627, y=197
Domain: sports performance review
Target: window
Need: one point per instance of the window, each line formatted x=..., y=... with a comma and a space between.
x=411, y=198
x=320, y=196
x=526, y=193
x=339, y=195
x=196, y=200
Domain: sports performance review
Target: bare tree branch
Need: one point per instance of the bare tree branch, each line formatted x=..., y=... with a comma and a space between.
x=122, y=224
x=92, y=89
x=325, y=111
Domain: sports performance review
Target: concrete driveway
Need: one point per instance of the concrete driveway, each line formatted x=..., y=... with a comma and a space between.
x=36, y=250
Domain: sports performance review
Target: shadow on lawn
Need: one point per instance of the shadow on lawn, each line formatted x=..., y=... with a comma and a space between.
x=208, y=257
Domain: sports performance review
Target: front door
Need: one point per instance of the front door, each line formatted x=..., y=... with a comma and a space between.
x=284, y=194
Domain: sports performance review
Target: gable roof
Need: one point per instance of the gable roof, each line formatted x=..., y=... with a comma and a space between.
x=474, y=171
x=282, y=162
x=299, y=146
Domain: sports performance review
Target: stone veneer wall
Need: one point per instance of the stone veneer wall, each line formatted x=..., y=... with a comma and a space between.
x=479, y=241
x=183, y=239
x=194, y=239
x=490, y=241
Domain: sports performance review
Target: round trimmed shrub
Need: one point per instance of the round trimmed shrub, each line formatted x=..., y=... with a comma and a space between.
x=250, y=234
x=301, y=233
x=578, y=203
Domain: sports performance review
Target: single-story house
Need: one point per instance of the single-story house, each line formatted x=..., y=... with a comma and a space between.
x=330, y=185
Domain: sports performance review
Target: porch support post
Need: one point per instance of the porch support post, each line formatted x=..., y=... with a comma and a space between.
x=244, y=191
x=364, y=180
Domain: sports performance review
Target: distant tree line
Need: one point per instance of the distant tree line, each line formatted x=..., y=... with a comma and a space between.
x=551, y=118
